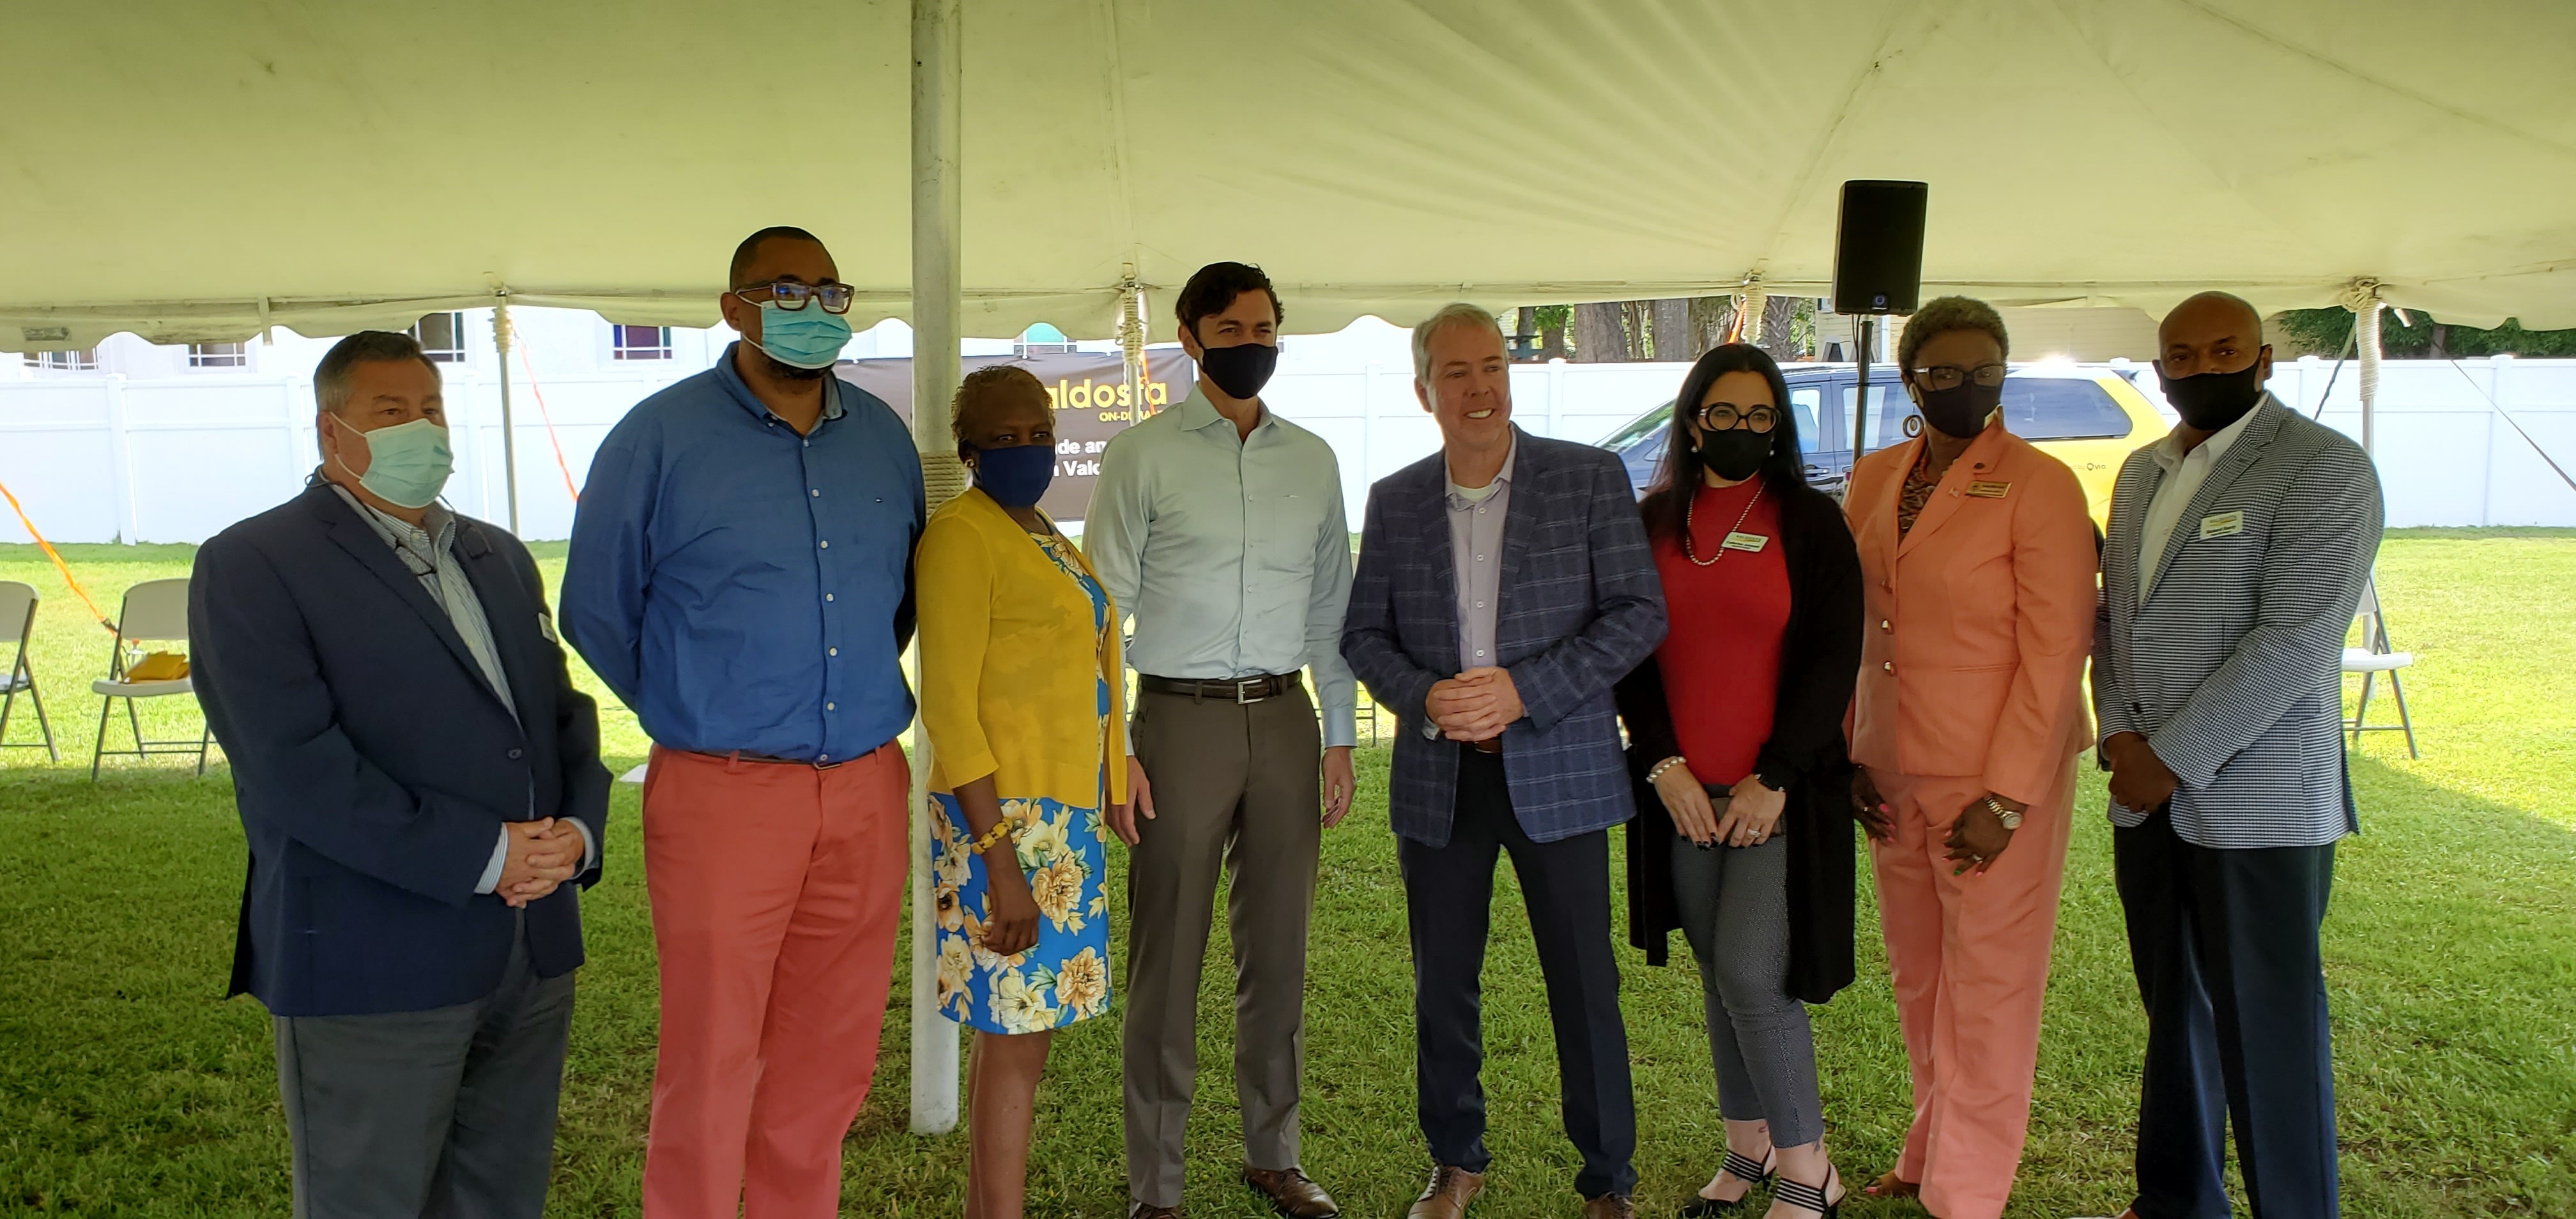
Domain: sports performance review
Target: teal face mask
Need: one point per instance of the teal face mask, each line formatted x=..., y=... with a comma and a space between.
x=407, y=464
x=802, y=338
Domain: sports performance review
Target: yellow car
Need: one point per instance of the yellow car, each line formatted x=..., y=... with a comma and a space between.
x=2087, y=415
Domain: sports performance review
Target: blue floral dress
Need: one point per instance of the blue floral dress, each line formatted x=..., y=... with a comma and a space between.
x=1064, y=977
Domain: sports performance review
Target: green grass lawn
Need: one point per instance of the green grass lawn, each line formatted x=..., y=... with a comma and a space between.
x=129, y=1086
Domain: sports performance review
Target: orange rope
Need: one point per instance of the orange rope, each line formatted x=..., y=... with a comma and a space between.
x=519, y=342
x=56, y=556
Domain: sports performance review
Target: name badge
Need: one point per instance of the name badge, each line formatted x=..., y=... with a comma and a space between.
x=546, y=627
x=2225, y=524
x=1989, y=490
x=1746, y=541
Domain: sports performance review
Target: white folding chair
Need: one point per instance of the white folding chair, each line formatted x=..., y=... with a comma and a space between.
x=18, y=625
x=2371, y=659
x=155, y=611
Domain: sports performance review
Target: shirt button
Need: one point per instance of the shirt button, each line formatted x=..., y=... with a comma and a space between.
x=1888, y=665
x=827, y=545
x=832, y=651
x=822, y=757
x=1882, y=625
x=827, y=596
x=817, y=492
x=831, y=706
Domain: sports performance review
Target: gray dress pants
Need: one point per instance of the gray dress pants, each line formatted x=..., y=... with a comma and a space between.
x=1236, y=788
x=1734, y=905
x=447, y=1113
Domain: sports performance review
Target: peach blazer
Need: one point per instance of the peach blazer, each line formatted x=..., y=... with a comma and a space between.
x=1979, y=621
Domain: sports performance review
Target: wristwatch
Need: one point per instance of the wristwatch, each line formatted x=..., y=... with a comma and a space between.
x=2011, y=819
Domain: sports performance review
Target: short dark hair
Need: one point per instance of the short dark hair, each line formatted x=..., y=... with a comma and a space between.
x=331, y=376
x=1212, y=290
x=1677, y=476
x=986, y=385
x=750, y=249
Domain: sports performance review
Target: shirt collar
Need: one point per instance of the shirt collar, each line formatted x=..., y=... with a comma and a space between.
x=731, y=378
x=436, y=532
x=1197, y=412
x=2168, y=451
x=1502, y=477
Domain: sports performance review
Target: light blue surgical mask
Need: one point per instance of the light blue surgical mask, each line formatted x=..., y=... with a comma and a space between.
x=407, y=464
x=802, y=338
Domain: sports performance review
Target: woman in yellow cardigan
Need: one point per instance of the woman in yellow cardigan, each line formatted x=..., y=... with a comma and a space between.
x=1020, y=683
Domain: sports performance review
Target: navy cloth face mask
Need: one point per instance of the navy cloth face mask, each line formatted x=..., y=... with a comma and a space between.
x=1015, y=477
x=2210, y=401
x=1240, y=370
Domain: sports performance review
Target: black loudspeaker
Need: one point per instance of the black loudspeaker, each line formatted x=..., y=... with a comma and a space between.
x=1878, y=247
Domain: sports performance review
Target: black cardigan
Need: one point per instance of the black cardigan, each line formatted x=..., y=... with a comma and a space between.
x=1819, y=665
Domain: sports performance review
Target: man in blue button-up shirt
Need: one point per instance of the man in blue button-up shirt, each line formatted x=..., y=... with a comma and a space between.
x=740, y=576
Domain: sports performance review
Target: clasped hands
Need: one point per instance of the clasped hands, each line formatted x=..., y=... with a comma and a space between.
x=1475, y=705
x=1753, y=809
x=2139, y=779
x=542, y=854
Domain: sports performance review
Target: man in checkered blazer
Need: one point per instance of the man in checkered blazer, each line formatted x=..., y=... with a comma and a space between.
x=2236, y=551
x=1503, y=587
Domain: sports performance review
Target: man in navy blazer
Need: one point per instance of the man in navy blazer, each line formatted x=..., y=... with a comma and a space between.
x=2237, y=550
x=1504, y=585
x=417, y=778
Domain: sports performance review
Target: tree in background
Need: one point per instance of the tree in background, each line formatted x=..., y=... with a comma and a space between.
x=2323, y=332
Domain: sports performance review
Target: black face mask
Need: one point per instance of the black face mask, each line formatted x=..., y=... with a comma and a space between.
x=1962, y=409
x=1240, y=370
x=1733, y=454
x=2210, y=401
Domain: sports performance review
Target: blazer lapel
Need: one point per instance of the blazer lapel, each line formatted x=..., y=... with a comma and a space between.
x=353, y=535
x=1976, y=459
x=1439, y=557
x=2240, y=457
x=505, y=603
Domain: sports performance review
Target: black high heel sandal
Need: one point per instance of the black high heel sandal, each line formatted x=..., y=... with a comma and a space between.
x=1810, y=1197
x=1754, y=1175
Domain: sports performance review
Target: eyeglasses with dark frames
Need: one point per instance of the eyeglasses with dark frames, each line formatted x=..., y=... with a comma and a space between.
x=1948, y=376
x=791, y=295
x=1723, y=416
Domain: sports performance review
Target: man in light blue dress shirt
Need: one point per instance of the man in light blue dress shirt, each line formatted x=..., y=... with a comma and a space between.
x=1219, y=526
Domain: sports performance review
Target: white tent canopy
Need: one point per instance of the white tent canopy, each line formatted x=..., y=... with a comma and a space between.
x=194, y=171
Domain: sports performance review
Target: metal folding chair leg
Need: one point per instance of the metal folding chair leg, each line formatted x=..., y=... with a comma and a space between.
x=2397, y=686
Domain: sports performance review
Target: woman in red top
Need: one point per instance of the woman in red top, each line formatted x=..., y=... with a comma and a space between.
x=1737, y=728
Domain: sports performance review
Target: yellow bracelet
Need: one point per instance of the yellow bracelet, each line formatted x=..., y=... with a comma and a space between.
x=1001, y=830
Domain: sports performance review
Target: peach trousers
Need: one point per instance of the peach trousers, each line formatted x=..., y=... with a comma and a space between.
x=1969, y=955
x=776, y=891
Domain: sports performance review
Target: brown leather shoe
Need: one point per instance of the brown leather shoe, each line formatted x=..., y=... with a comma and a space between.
x=1292, y=1193
x=1139, y=1210
x=1610, y=1206
x=1448, y=1194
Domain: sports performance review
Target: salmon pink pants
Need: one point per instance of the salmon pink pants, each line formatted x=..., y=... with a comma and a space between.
x=1969, y=955
x=776, y=893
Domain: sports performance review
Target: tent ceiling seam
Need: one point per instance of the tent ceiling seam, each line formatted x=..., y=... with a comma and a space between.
x=1878, y=55
x=1116, y=99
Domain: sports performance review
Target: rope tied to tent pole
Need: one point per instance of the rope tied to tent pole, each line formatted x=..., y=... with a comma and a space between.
x=59, y=565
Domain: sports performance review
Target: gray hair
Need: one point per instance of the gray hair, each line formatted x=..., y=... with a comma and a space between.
x=331, y=376
x=1940, y=316
x=1455, y=313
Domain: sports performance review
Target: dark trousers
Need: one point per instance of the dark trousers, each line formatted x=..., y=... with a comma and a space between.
x=1449, y=896
x=2225, y=946
x=448, y=1113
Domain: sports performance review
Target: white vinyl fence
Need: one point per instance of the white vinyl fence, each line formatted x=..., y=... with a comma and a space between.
x=106, y=458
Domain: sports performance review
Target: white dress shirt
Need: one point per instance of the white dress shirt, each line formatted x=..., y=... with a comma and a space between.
x=2183, y=475
x=1476, y=516
x=1230, y=551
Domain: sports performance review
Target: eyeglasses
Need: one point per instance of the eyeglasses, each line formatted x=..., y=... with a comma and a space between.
x=1948, y=376
x=791, y=296
x=1723, y=416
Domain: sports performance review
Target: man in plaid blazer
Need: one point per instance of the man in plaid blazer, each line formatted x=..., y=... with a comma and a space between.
x=2236, y=550
x=1503, y=586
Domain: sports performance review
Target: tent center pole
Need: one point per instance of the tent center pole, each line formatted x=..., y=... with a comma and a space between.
x=1860, y=388
x=936, y=320
x=501, y=343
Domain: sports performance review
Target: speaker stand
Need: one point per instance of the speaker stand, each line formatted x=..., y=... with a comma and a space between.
x=1860, y=390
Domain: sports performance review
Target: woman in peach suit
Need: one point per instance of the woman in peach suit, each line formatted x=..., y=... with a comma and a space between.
x=1978, y=565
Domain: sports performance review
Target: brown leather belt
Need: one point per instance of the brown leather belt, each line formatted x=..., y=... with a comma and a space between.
x=766, y=760
x=1491, y=744
x=1239, y=690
